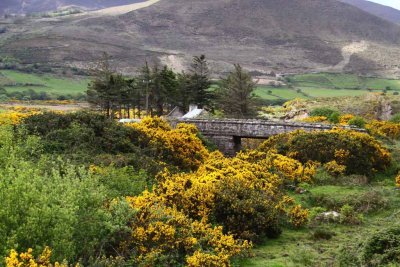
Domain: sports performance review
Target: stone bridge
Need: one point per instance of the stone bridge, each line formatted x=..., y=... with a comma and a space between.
x=227, y=134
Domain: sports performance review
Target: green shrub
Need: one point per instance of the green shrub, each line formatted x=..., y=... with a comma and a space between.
x=323, y=111
x=322, y=234
x=334, y=117
x=52, y=203
x=349, y=216
x=315, y=211
x=363, y=202
x=92, y=138
x=382, y=248
x=122, y=182
x=358, y=122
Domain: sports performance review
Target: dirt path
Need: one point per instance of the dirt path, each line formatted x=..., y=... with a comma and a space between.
x=348, y=51
x=175, y=62
x=120, y=10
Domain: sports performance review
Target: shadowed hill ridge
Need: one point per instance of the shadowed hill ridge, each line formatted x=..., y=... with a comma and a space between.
x=385, y=12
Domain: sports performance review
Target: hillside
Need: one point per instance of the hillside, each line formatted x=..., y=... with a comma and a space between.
x=33, y=6
x=385, y=12
x=279, y=35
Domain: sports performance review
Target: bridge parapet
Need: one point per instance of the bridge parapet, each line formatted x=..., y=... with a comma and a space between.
x=227, y=133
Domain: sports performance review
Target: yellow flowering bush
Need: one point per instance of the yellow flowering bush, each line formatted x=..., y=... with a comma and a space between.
x=345, y=118
x=384, y=129
x=334, y=169
x=12, y=117
x=398, y=181
x=215, y=188
x=16, y=114
x=180, y=146
x=298, y=216
x=164, y=236
x=359, y=152
x=315, y=119
x=26, y=259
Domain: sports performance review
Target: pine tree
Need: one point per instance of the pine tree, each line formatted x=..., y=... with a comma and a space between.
x=236, y=96
x=184, y=94
x=145, y=83
x=165, y=90
x=200, y=82
x=108, y=90
x=98, y=93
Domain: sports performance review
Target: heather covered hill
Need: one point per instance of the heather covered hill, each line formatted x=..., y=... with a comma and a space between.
x=273, y=19
x=262, y=35
x=285, y=33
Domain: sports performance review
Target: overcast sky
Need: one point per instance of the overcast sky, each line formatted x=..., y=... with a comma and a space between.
x=392, y=3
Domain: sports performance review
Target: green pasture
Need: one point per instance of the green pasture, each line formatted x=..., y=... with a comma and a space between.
x=14, y=81
x=319, y=85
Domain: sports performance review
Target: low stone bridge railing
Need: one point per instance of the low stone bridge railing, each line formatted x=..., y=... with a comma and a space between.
x=227, y=133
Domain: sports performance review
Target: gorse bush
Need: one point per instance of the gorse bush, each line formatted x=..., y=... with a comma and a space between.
x=384, y=129
x=164, y=236
x=334, y=169
x=90, y=214
x=242, y=210
x=237, y=192
x=28, y=259
x=360, y=153
x=180, y=146
x=92, y=138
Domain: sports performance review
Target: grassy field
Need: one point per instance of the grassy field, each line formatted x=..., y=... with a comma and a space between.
x=299, y=248
x=310, y=86
x=306, y=86
x=14, y=81
x=271, y=93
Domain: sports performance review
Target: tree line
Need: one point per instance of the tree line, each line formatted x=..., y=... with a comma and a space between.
x=156, y=90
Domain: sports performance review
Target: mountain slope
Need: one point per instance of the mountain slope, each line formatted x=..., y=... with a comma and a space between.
x=262, y=35
x=33, y=6
x=271, y=33
x=385, y=12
